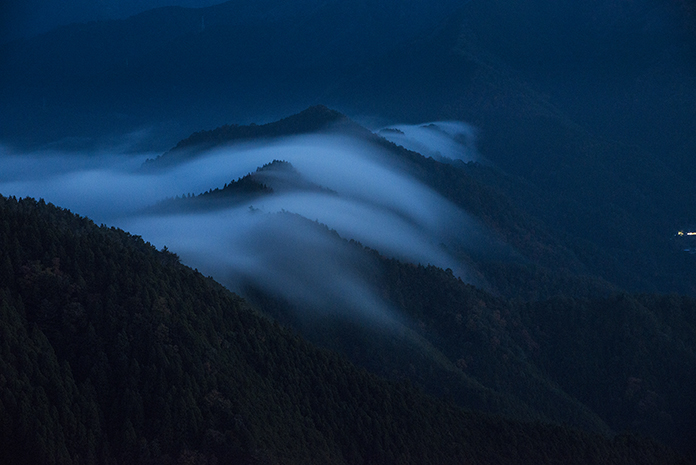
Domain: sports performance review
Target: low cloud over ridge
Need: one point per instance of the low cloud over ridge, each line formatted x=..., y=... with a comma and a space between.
x=267, y=242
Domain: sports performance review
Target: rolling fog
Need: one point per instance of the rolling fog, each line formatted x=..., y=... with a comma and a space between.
x=277, y=242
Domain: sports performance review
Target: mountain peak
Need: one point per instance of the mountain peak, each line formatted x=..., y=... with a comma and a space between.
x=316, y=118
x=319, y=112
x=313, y=119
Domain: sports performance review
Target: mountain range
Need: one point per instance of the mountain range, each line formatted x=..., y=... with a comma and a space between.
x=475, y=257
x=505, y=343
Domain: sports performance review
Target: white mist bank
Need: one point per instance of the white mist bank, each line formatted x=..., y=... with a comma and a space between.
x=280, y=253
x=372, y=202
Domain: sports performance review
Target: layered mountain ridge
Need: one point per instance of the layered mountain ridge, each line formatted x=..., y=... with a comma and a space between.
x=476, y=348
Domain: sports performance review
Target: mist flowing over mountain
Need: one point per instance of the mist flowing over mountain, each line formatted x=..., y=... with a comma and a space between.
x=248, y=233
x=432, y=232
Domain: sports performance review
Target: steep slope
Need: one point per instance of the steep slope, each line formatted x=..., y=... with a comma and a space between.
x=114, y=352
x=403, y=346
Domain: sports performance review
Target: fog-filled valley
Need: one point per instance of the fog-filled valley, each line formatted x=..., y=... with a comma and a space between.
x=348, y=232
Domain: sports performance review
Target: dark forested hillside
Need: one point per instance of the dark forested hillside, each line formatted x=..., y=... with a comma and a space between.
x=619, y=363
x=115, y=352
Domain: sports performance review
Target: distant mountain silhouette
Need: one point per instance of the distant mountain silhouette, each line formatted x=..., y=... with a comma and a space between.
x=195, y=66
x=312, y=120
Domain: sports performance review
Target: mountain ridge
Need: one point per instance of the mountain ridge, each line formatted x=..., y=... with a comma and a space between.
x=315, y=119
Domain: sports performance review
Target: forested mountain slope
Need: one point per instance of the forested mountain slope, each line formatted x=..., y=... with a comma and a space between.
x=112, y=351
